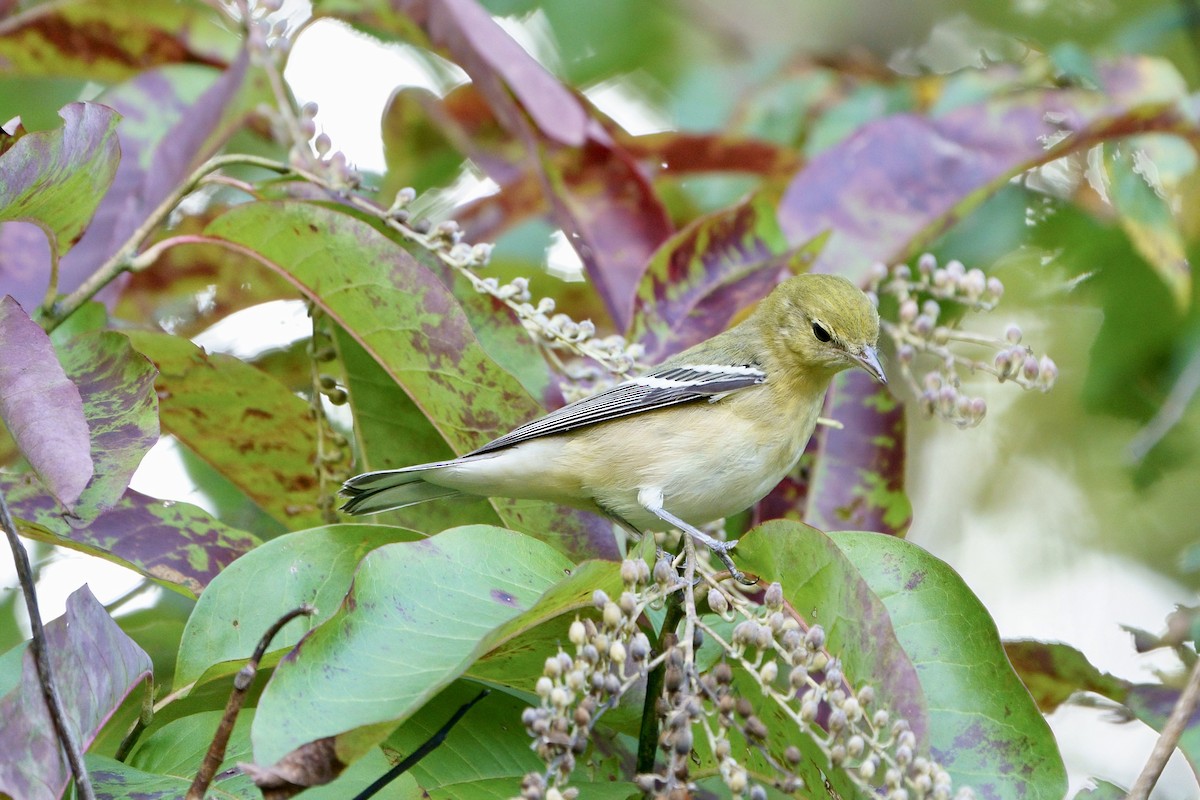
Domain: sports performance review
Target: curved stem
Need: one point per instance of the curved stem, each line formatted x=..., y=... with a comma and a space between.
x=123, y=259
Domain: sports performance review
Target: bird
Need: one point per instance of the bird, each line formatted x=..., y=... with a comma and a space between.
x=704, y=435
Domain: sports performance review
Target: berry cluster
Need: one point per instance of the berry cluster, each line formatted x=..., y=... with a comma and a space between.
x=611, y=656
x=920, y=328
x=771, y=662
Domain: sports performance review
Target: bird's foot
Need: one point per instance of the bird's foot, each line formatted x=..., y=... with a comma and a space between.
x=721, y=551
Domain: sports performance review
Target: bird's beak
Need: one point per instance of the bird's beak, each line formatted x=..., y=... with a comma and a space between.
x=868, y=359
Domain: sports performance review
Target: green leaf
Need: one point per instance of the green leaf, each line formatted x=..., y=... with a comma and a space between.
x=314, y=566
x=484, y=756
x=404, y=317
x=106, y=40
x=1143, y=207
x=244, y=423
x=519, y=648
x=95, y=667
x=41, y=407
x=984, y=728
x=417, y=616
x=57, y=178
x=385, y=416
x=177, y=544
x=394, y=307
x=166, y=760
x=825, y=588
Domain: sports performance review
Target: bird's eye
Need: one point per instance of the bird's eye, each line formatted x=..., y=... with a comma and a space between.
x=821, y=334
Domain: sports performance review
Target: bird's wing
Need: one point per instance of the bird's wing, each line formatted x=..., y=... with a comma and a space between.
x=667, y=385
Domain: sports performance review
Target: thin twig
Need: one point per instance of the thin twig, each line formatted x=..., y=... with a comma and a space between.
x=1172, y=410
x=241, y=685
x=425, y=749
x=1181, y=714
x=41, y=657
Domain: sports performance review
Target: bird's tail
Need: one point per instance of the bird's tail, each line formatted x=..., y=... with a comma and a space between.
x=388, y=489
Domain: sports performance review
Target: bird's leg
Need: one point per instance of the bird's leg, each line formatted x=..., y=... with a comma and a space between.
x=651, y=499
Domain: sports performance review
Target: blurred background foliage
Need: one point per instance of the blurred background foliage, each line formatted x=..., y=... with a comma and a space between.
x=1070, y=514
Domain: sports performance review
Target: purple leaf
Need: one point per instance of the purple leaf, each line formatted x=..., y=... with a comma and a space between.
x=598, y=194
x=95, y=667
x=121, y=408
x=717, y=266
x=40, y=406
x=176, y=544
x=898, y=182
x=498, y=66
x=174, y=120
x=55, y=179
x=857, y=481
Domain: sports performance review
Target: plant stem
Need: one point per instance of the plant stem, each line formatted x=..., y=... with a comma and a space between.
x=41, y=657
x=648, y=736
x=1181, y=714
x=123, y=259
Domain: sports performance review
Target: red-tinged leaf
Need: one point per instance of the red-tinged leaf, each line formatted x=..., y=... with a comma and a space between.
x=739, y=245
x=55, y=179
x=1052, y=672
x=121, y=409
x=109, y=40
x=857, y=478
x=681, y=153
x=597, y=193
x=425, y=139
x=499, y=66
x=245, y=424
x=612, y=218
x=176, y=544
x=40, y=406
x=184, y=114
x=404, y=317
x=95, y=666
x=898, y=182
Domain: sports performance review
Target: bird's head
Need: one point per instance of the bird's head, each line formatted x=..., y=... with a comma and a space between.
x=825, y=322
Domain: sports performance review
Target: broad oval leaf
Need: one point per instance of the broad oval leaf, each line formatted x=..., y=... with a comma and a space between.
x=95, y=667
x=418, y=614
x=405, y=318
x=984, y=728
x=313, y=566
x=41, y=407
x=825, y=588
